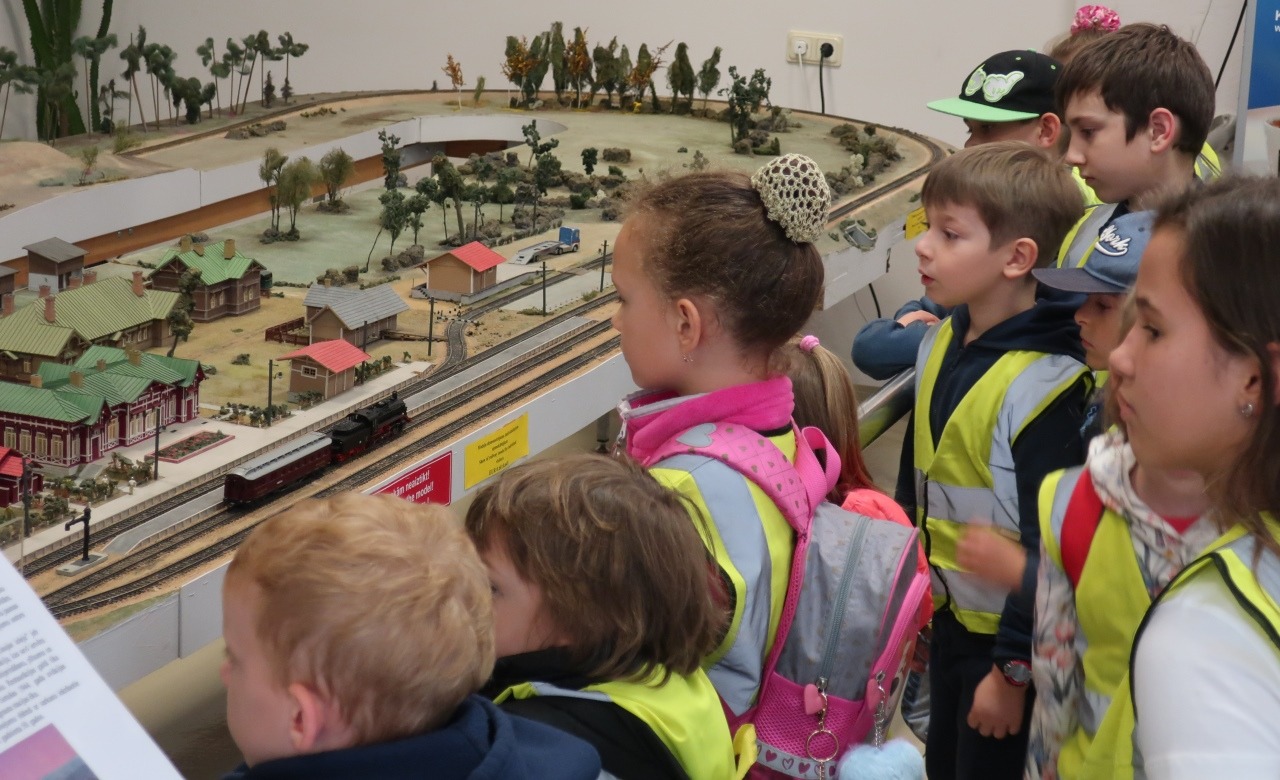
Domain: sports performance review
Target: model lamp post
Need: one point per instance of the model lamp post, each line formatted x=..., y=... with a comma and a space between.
x=25, y=484
x=431, y=325
x=156, y=475
x=544, y=288
x=271, y=375
x=604, y=258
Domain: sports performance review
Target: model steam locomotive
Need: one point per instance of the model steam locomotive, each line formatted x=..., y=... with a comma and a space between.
x=291, y=463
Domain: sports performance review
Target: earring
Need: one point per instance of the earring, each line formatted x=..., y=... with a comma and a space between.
x=1247, y=410
x=689, y=359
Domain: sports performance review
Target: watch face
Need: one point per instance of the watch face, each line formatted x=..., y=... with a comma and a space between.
x=1016, y=672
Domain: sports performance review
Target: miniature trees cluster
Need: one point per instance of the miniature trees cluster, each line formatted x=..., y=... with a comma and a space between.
x=269, y=172
x=12, y=76
x=745, y=97
x=296, y=180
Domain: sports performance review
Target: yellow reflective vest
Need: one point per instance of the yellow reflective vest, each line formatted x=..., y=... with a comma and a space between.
x=1257, y=587
x=684, y=713
x=970, y=473
x=1111, y=598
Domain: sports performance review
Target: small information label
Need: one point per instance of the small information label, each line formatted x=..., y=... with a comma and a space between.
x=493, y=453
x=430, y=483
x=916, y=223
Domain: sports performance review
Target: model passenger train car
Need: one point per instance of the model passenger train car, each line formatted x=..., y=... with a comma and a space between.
x=291, y=463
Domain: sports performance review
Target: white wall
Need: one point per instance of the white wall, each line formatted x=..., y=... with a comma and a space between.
x=898, y=54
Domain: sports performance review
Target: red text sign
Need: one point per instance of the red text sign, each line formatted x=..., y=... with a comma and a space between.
x=430, y=483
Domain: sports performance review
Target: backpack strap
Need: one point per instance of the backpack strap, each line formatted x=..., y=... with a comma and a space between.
x=1079, y=524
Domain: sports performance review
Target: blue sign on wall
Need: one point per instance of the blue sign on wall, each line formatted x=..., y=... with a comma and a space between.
x=1264, y=72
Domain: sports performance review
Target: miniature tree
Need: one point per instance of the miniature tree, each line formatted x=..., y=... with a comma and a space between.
x=429, y=188
x=52, y=25
x=289, y=48
x=624, y=69
x=232, y=60
x=516, y=65
x=268, y=91
x=745, y=96
x=606, y=63
x=416, y=204
x=680, y=76
x=533, y=139
x=545, y=175
x=107, y=96
x=132, y=56
x=479, y=90
x=92, y=49
x=88, y=156
x=336, y=166
x=453, y=69
x=158, y=60
x=53, y=86
x=394, y=217
x=477, y=195
x=452, y=187
x=558, y=61
x=641, y=76
x=709, y=77
x=297, y=179
x=12, y=76
x=268, y=53
x=699, y=161
x=502, y=192
x=179, y=318
x=578, y=64
x=390, y=159
x=540, y=61
x=590, y=156
x=219, y=69
x=269, y=172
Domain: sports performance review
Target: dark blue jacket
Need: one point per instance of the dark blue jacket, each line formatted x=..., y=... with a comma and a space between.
x=1050, y=442
x=883, y=348
x=480, y=743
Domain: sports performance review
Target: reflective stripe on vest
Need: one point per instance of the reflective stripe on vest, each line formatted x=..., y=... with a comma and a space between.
x=1080, y=241
x=1111, y=599
x=1114, y=753
x=750, y=552
x=684, y=713
x=1208, y=167
x=970, y=474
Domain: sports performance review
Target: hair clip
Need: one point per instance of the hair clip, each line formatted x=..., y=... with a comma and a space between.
x=1095, y=17
x=808, y=343
x=795, y=195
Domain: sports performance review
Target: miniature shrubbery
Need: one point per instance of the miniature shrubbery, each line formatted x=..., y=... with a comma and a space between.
x=616, y=155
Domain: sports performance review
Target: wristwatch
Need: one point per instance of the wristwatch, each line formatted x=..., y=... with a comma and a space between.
x=1016, y=673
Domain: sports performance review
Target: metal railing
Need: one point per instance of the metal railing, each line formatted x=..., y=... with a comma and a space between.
x=890, y=404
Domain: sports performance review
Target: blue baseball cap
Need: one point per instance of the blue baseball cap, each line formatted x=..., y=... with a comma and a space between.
x=1112, y=267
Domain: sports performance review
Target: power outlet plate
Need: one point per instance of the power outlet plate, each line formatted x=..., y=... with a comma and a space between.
x=813, y=45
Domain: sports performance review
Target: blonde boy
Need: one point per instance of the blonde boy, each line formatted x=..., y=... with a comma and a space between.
x=1000, y=395
x=358, y=629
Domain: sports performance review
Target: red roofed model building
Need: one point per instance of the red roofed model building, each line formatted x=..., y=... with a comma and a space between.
x=11, y=477
x=326, y=367
x=465, y=270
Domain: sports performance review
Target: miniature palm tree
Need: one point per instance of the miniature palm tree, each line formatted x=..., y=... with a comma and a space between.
x=12, y=76
x=54, y=85
x=290, y=48
x=453, y=69
x=132, y=56
x=219, y=69
x=92, y=49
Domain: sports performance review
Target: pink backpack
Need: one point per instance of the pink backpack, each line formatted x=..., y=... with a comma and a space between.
x=835, y=672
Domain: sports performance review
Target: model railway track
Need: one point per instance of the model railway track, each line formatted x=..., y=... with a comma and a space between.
x=66, y=602
x=936, y=153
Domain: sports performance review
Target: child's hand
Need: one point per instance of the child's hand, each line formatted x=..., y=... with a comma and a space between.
x=995, y=558
x=920, y=315
x=997, y=706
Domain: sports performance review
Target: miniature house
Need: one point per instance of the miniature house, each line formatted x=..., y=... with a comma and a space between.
x=74, y=414
x=53, y=262
x=58, y=328
x=356, y=316
x=11, y=477
x=325, y=367
x=465, y=270
x=230, y=283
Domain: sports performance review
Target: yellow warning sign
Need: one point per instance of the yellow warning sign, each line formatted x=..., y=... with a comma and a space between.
x=916, y=223
x=493, y=453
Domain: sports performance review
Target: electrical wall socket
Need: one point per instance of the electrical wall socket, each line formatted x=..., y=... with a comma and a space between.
x=812, y=42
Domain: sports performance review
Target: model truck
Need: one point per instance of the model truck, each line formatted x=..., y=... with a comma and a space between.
x=568, y=242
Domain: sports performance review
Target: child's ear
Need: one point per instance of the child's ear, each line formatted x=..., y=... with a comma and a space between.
x=1162, y=126
x=316, y=722
x=1021, y=258
x=690, y=325
x=1049, y=130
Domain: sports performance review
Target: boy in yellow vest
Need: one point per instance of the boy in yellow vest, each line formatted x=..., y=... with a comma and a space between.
x=1000, y=397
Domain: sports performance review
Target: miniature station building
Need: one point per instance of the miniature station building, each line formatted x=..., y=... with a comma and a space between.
x=230, y=283
x=71, y=415
x=325, y=367
x=53, y=262
x=466, y=270
x=355, y=316
x=59, y=327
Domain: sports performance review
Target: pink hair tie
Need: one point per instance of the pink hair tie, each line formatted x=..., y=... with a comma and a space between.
x=1095, y=17
x=808, y=343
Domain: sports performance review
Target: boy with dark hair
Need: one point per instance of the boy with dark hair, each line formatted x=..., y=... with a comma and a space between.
x=1139, y=103
x=1000, y=396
